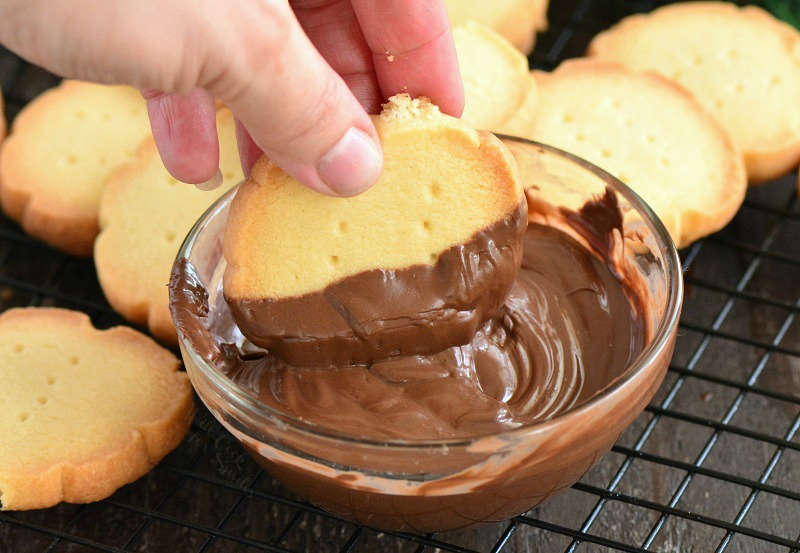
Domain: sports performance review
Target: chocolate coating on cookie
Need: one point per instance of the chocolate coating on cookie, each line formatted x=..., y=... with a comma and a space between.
x=378, y=314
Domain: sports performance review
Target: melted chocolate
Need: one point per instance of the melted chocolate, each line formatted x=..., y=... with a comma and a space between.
x=382, y=314
x=596, y=222
x=577, y=315
x=571, y=325
x=565, y=332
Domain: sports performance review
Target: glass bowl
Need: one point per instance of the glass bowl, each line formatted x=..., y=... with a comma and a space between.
x=437, y=485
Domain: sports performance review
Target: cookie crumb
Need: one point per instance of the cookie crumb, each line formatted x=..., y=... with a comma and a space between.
x=706, y=396
x=389, y=56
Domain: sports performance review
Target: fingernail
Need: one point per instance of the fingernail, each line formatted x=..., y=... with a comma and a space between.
x=212, y=183
x=352, y=165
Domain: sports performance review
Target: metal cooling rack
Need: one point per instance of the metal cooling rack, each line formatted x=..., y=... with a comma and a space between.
x=713, y=464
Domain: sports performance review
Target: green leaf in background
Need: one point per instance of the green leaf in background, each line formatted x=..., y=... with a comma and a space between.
x=788, y=10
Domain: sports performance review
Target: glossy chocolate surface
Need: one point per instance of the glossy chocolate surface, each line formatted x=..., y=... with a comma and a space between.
x=382, y=314
x=570, y=326
x=576, y=318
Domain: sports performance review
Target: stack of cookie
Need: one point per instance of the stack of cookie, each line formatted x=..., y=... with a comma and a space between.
x=144, y=215
x=80, y=171
x=61, y=149
x=58, y=372
x=685, y=105
x=676, y=156
x=741, y=64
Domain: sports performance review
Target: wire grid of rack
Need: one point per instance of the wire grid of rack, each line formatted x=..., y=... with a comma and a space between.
x=713, y=464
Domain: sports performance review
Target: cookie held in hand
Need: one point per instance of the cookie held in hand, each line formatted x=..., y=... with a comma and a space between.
x=84, y=411
x=412, y=266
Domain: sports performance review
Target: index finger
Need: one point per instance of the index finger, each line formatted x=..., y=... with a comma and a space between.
x=412, y=49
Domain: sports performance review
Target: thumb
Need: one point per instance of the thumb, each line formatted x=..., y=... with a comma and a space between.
x=303, y=115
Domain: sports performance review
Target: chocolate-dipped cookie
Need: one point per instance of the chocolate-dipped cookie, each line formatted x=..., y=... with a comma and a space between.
x=412, y=266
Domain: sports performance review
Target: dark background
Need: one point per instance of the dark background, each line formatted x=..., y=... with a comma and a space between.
x=713, y=464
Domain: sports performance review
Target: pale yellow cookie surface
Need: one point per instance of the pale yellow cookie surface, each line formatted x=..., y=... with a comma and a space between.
x=442, y=182
x=649, y=133
x=83, y=411
x=516, y=20
x=742, y=64
x=144, y=216
x=60, y=151
x=495, y=75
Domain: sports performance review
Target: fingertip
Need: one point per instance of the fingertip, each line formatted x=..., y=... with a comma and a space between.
x=185, y=131
x=450, y=96
x=302, y=122
x=352, y=165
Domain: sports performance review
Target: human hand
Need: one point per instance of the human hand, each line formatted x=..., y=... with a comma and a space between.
x=300, y=76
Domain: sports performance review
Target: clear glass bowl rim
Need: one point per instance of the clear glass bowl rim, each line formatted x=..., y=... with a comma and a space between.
x=248, y=404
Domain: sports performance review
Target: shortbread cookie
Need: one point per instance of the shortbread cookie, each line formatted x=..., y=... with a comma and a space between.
x=61, y=149
x=516, y=20
x=650, y=133
x=144, y=216
x=741, y=63
x=84, y=411
x=496, y=79
x=411, y=266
